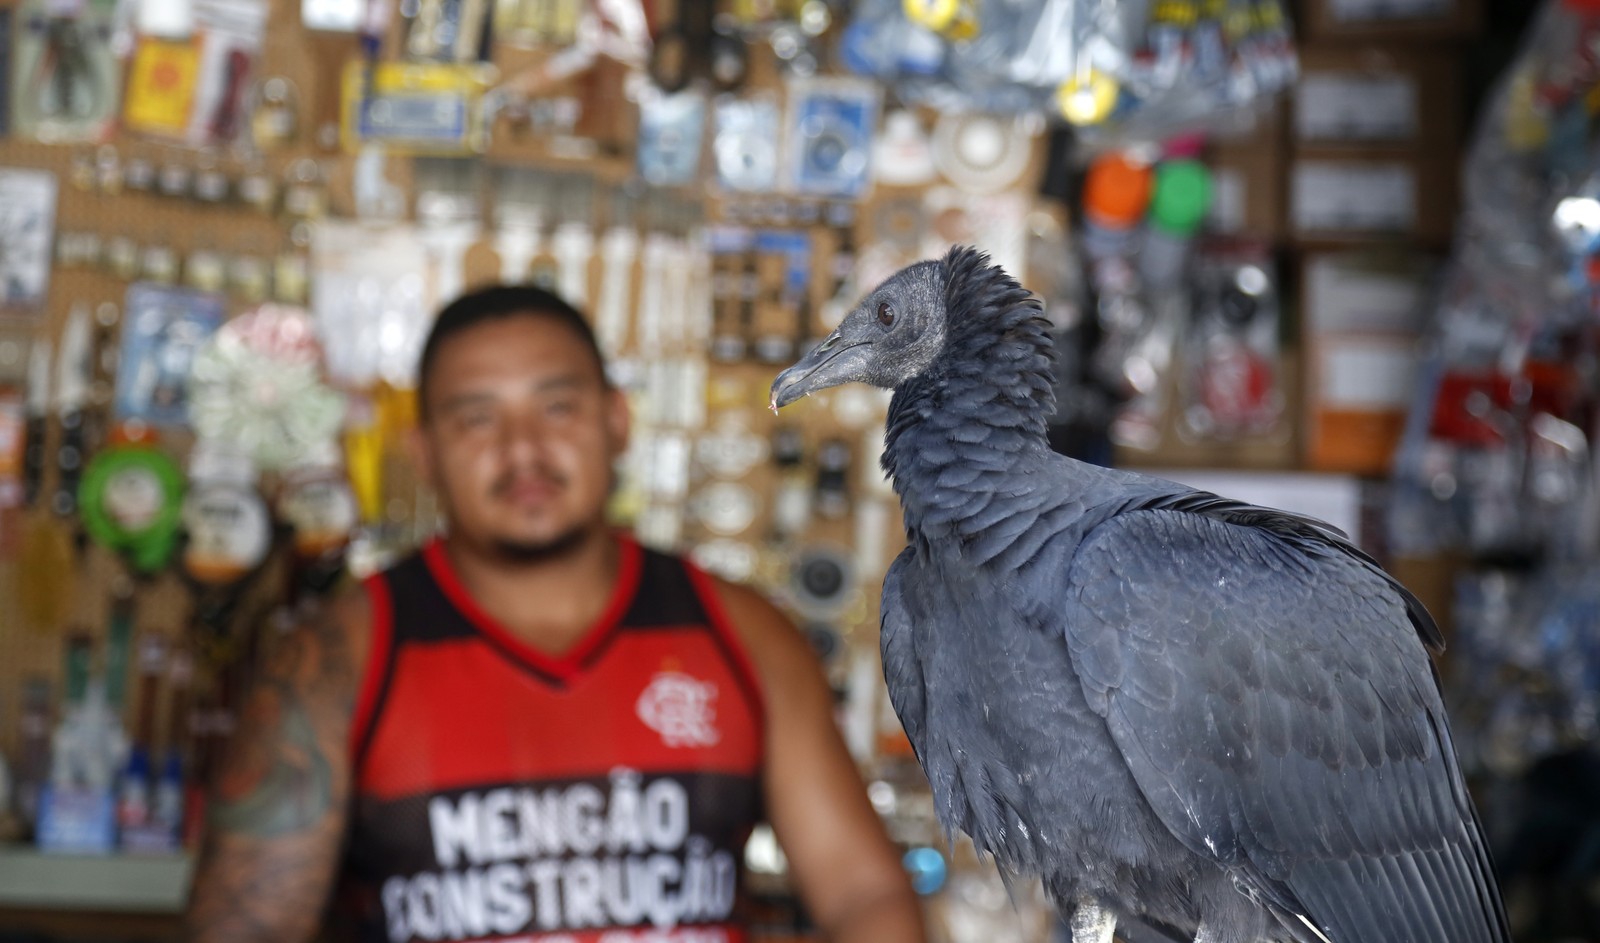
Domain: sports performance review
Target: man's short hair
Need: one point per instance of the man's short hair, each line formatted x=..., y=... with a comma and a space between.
x=494, y=303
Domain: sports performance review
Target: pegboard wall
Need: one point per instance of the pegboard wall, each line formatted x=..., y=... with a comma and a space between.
x=591, y=172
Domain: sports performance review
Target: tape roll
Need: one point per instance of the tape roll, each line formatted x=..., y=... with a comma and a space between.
x=982, y=153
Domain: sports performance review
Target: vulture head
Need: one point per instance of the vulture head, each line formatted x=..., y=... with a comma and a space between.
x=894, y=334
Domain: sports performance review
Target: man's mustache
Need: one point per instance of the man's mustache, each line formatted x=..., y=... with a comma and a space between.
x=507, y=481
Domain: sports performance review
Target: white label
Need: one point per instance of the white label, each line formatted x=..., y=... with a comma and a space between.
x=229, y=533
x=1361, y=11
x=1333, y=196
x=1368, y=373
x=334, y=16
x=134, y=497
x=1342, y=295
x=1349, y=106
x=323, y=513
x=1229, y=190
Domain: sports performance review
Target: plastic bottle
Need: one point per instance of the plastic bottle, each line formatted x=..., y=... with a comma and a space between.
x=229, y=528
x=1180, y=199
x=1116, y=194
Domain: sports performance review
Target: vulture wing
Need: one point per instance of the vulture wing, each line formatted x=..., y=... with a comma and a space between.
x=1265, y=683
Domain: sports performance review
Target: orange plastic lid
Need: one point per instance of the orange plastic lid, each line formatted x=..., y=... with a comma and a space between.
x=1117, y=190
x=131, y=432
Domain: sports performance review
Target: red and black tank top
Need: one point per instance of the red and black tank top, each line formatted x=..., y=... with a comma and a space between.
x=501, y=793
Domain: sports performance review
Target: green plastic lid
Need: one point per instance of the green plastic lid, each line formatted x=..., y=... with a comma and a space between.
x=130, y=501
x=1181, y=197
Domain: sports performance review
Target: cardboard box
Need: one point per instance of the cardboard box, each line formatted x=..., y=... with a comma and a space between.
x=1379, y=96
x=1343, y=198
x=1406, y=20
x=1247, y=166
x=1363, y=314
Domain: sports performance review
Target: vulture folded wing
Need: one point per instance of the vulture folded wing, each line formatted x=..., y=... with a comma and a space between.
x=1276, y=707
x=902, y=670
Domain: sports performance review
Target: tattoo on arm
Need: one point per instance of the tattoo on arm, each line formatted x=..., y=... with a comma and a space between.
x=279, y=779
x=277, y=813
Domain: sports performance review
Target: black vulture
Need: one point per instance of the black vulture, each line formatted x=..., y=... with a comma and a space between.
x=1163, y=703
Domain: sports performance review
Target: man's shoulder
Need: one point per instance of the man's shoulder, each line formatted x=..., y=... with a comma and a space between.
x=770, y=637
x=344, y=622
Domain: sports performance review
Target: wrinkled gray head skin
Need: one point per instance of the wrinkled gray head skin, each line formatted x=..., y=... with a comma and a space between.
x=894, y=334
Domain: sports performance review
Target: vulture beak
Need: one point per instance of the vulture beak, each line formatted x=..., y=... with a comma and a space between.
x=834, y=362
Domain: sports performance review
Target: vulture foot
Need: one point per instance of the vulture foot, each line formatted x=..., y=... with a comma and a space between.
x=1092, y=923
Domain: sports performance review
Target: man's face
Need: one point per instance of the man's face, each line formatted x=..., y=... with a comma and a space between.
x=520, y=436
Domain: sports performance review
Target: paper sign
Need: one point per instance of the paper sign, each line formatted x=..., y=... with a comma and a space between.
x=1342, y=294
x=27, y=232
x=1333, y=196
x=1366, y=373
x=1350, y=106
x=1361, y=11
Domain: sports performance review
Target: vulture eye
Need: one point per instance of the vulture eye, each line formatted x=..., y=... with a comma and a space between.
x=885, y=314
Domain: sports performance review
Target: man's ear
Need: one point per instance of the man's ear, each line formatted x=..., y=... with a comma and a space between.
x=618, y=420
x=421, y=453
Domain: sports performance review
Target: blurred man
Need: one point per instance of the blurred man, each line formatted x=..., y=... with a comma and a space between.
x=533, y=728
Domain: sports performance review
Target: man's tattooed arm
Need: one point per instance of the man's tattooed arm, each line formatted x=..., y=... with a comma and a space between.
x=277, y=812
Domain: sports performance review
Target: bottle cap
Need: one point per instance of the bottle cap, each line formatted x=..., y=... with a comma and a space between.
x=1181, y=198
x=1117, y=190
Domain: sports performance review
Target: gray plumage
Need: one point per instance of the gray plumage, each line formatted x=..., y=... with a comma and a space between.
x=1165, y=703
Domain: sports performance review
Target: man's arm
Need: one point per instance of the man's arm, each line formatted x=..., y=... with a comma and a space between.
x=847, y=870
x=276, y=816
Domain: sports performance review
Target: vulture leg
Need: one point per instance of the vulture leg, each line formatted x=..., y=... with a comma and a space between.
x=1092, y=923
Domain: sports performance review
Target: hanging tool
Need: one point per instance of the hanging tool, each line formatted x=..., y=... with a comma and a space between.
x=37, y=409
x=64, y=86
x=73, y=377
x=692, y=46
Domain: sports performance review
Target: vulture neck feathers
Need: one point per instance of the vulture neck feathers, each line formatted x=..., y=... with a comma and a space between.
x=963, y=435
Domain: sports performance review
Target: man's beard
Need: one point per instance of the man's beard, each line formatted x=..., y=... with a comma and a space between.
x=525, y=552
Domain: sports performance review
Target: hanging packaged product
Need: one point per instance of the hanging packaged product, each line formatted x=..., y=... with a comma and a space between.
x=318, y=502
x=830, y=129
x=74, y=376
x=1231, y=385
x=77, y=807
x=371, y=298
x=1119, y=73
x=1179, y=201
x=13, y=444
x=902, y=155
x=161, y=86
x=67, y=77
x=257, y=385
x=162, y=329
x=746, y=144
x=671, y=128
x=229, y=532
x=273, y=107
x=5, y=70
x=27, y=237
x=231, y=33
x=415, y=107
x=955, y=19
x=131, y=497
